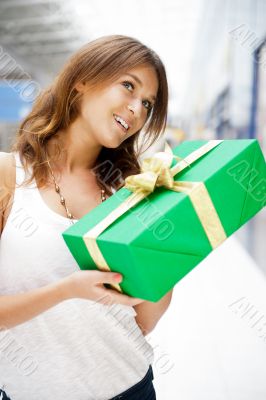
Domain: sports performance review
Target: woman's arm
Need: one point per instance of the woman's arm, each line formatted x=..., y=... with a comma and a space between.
x=149, y=313
x=19, y=308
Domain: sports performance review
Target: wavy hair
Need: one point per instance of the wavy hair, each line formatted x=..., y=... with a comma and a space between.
x=98, y=62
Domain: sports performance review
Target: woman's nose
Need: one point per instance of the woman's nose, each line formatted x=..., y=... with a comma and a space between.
x=135, y=107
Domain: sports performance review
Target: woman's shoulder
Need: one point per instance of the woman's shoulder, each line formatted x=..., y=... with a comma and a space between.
x=4, y=155
x=7, y=175
x=7, y=166
x=7, y=185
x=7, y=163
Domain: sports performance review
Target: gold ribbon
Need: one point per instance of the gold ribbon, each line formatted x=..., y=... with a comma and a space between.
x=157, y=171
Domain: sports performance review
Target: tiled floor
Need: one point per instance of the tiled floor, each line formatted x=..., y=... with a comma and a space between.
x=211, y=343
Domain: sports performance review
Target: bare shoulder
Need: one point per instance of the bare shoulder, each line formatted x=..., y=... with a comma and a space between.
x=7, y=185
x=7, y=169
x=6, y=158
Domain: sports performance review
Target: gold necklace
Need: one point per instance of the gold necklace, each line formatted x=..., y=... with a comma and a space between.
x=62, y=199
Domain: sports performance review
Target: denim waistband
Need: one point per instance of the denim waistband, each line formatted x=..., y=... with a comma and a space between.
x=3, y=395
x=138, y=388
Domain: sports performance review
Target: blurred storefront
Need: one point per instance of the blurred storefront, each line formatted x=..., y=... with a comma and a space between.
x=258, y=116
x=13, y=108
x=227, y=73
x=226, y=97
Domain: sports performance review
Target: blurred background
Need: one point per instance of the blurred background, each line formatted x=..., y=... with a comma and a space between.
x=215, y=57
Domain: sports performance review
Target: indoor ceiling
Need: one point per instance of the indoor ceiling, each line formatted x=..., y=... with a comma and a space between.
x=41, y=34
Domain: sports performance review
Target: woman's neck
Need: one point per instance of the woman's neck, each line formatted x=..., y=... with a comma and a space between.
x=77, y=155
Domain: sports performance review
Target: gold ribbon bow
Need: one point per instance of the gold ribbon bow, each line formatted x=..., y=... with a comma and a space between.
x=157, y=171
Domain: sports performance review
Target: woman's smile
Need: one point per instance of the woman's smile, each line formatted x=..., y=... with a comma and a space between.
x=122, y=123
x=120, y=126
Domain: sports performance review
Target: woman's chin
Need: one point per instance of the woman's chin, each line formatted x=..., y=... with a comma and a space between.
x=112, y=143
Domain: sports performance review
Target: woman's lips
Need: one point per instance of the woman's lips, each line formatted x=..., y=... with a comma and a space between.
x=120, y=126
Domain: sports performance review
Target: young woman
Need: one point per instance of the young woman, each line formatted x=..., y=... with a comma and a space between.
x=59, y=338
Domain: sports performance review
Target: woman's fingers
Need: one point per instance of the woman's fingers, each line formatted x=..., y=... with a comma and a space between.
x=90, y=284
x=114, y=296
x=106, y=277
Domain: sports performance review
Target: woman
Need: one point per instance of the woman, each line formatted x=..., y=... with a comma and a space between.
x=59, y=337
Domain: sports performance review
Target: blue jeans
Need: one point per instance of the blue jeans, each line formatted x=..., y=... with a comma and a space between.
x=143, y=390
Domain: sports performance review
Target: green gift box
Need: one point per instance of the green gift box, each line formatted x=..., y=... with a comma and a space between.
x=158, y=241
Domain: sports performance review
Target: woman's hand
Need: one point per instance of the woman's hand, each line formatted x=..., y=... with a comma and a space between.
x=90, y=285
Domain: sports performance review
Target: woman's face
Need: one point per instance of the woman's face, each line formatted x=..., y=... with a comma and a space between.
x=114, y=113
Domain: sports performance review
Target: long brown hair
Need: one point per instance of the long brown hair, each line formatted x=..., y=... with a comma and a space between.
x=100, y=61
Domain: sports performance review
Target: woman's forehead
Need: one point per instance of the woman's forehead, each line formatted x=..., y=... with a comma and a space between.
x=144, y=76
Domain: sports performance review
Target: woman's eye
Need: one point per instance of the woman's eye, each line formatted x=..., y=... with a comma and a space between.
x=147, y=104
x=128, y=84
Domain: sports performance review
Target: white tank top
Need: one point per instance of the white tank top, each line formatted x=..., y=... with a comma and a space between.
x=77, y=349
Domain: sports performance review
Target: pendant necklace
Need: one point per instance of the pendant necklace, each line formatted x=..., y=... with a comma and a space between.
x=62, y=199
